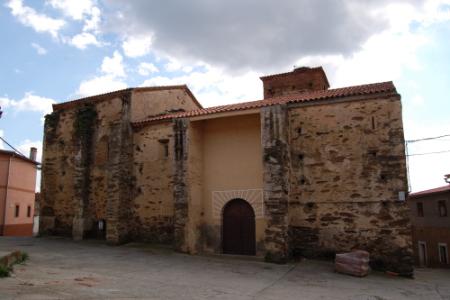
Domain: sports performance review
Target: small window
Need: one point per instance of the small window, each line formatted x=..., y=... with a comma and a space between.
x=29, y=211
x=442, y=206
x=443, y=253
x=373, y=123
x=419, y=209
x=165, y=147
x=17, y=211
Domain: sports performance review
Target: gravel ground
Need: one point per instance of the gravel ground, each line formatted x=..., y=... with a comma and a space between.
x=62, y=269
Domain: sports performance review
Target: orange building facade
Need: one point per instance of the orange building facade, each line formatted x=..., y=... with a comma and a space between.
x=17, y=193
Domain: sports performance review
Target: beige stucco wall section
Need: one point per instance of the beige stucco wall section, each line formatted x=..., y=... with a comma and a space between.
x=232, y=160
x=155, y=102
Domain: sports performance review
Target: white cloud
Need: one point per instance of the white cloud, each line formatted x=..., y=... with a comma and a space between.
x=173, y=65
x=417, y=100
x=84, y=11
x=137, y=46
x=74, y=9
x=111, y=79
x=29, y=17
x=146, y=69
x=388, y=54
x=39, y=49
x=29, y=102
x=92, y=23
x=84, y=39
x=383, y=57
x=99, y=85
x=214, y=87
x=113, y=66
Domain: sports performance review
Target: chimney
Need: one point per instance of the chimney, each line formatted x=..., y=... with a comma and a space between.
x=447, y=178
x=33, y=153
x=303, y=79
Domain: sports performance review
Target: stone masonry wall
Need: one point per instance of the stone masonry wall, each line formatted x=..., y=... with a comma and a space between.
x=156, y=102
x=56, y=211
x=153, y=204
x=91, y=177
x=77, y=171
x=119, y=177
x=302, y=79
x=347, y=168
x=180, y=184
x=276, y=161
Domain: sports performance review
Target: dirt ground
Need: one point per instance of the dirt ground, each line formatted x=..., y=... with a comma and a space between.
x=62, y=269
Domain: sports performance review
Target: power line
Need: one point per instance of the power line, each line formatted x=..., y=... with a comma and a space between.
x=12, y=146
x=427, y=138
x=437, y=152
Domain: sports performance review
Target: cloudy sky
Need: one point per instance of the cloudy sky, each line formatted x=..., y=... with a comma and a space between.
x=58, y=50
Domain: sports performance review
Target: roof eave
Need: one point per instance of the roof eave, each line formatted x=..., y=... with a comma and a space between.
x=425, y=194
x=291, y=103
x=118, y=93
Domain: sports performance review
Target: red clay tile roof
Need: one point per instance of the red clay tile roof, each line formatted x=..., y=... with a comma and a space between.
x=360, y=90
x=118, y=93
x=441, y=189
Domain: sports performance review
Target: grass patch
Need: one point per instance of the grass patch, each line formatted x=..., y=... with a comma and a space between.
x=4, y=272
x=21, y=257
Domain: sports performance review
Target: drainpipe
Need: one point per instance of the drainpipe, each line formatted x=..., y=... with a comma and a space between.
x=6, y=196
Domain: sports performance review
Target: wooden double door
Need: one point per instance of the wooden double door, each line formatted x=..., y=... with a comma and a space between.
x=238, y=228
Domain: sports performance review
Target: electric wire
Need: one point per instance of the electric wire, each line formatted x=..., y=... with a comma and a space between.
x=15, y=150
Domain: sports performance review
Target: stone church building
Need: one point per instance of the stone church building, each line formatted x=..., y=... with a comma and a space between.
x=308, y=170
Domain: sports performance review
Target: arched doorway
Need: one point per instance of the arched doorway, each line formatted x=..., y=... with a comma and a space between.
x=238, y=230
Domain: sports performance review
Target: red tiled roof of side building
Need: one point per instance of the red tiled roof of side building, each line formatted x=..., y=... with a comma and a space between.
x=360, y=90
x=445, y=188
x=118, y=93
x=19, y=156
